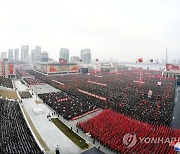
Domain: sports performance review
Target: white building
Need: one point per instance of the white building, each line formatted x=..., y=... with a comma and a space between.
x=16, y=54
x=24, y=53
x=86, y=56
x=10, y=54
x=36, y=53
x=64, y=54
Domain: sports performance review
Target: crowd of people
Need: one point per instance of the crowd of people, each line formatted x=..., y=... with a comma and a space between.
x=5, y=82
x=15, y=136
x=112, y=130
x=123, y=92
x=33, y=81
x=129, y=107
x=67, y=106
x=22, y=72
x=28, y=78
x=24, y=94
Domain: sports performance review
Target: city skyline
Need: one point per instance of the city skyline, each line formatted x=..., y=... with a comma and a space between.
x=37, y=50
x=125, y=29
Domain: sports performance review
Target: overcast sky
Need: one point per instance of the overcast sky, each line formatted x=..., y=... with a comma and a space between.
x=123, y=29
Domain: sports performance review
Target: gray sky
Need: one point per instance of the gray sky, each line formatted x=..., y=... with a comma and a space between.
x=123, y=29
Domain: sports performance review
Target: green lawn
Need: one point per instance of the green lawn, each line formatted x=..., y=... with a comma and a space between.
x=69, y=133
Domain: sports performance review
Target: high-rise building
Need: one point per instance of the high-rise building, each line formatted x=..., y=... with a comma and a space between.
x=38, y=51
x=3, y=55
x=16, y=54
x=10, y=54
x=64, y=54
x=33, y=54
x=86, y=56
x=44, y=57
x=24, y=53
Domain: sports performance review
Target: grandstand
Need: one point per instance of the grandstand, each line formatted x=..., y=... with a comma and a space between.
x=16, y=137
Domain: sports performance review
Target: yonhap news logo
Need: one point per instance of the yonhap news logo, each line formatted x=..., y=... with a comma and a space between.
x=129, y=140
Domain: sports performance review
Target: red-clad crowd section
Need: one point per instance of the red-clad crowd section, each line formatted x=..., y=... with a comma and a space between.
x=109, y=128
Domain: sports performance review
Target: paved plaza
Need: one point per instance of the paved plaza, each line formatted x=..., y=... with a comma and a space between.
x=51, y=135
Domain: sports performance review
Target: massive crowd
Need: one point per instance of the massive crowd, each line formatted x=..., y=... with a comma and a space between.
x=129, y=108
x=113, y=130
x=123, y=93
x=33, y=81
x=66, y=105
x=28, y=78
x=5, y=82
x=15, y=136
x=22, y=72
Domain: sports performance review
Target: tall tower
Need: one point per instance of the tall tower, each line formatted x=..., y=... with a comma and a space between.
x=36, y=53
x=166, y=56
x=86, y=56
x=16, y=54
x=24, y=53
x=64, y=54
x=10, y=54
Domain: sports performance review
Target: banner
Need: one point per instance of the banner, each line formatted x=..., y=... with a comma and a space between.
x=11, y=69
x=73, y=68
x=63, y=68
x=172, y=67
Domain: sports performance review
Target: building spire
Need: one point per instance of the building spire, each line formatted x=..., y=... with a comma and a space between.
x=166, y=56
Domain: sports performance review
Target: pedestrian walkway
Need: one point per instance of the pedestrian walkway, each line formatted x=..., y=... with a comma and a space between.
x=47, y=130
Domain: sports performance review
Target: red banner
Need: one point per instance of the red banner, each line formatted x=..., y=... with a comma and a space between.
x=52, y=69
x=172, y=67
x=11, y=69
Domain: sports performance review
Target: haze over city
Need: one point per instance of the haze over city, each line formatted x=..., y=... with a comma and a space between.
x=124, y=30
